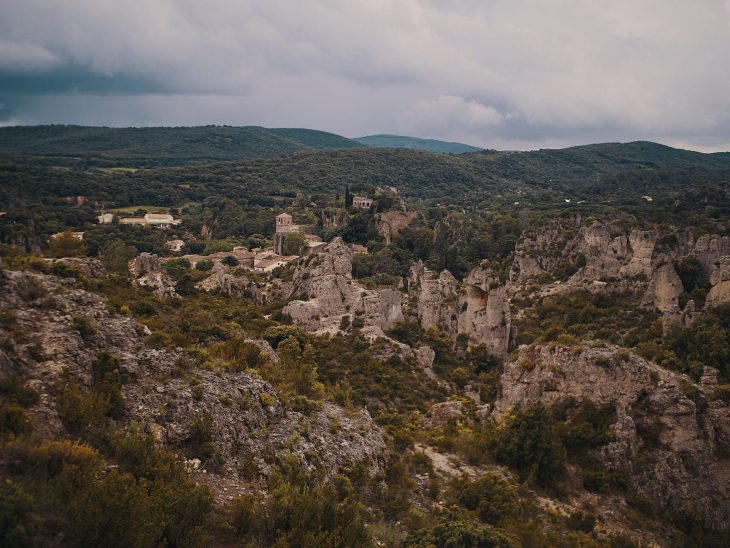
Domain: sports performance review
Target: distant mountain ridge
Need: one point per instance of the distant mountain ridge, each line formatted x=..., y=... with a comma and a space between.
x=164, y=145
x=402, y=141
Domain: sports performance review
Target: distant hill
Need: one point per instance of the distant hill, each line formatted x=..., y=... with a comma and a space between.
x=583, y=163
x=163, y=145
x=312, y=138
x=400, y=141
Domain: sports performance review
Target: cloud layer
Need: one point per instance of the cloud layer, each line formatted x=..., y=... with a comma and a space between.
x=500, y=74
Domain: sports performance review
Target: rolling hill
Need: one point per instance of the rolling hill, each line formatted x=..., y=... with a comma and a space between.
x=400, y=141
x=162, y=145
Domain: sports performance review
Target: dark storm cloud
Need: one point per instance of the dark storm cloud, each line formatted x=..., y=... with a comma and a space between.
x=502, y=74
x=75, y=79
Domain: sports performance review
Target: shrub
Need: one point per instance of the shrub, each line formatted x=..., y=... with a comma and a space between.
x=19, y=523
x=66, y=245
x=204, y=266
x=13, y=420
x=30, y=289
x=274, y=335
x=85, y=326
x=529, y=442
x=229, y=260
x=491, y=496
x=458, y=534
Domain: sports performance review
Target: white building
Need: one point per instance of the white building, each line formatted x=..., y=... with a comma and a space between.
x=160, y=220
x=105, y=218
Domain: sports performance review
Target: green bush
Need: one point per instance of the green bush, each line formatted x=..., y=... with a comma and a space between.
x=85, y=326
x=491, y=496
x=13, y=420
x=19, y=524
x=204, y=266
x=528, y=441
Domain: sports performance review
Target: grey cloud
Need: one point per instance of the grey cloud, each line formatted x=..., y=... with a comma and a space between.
x=510, y=73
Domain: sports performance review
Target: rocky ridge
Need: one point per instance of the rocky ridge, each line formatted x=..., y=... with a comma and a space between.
x=670, y=434
x=247, y=419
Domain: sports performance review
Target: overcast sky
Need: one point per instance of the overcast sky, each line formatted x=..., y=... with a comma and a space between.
x=506, y=74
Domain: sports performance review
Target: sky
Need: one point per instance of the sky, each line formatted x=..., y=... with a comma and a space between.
x=504, y=74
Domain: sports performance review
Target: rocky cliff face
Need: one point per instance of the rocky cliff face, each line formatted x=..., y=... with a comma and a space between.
x=610, y=252
x=390, y=223
x=146, y=270
x=720, y=280
x=477, y=308
x=247, y=422
x=485, y=313
x=670, y=434
x=324, y=292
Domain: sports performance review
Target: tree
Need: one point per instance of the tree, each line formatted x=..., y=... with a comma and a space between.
x=116, y=255
x=66, y=245
x=528, y=441
x=294, y=243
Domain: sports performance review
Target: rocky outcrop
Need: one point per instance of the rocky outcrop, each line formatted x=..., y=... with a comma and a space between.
x=438, y=298
x=390, y=223
x=91, y=268
x=146, y=270
x=710, y=248
x=668, y=443
x=664, y=290
x=334, y=217
x=477, y=308
x=445, y=412
x=537, y=253
x=324, y=293
x=720, y=280
x=606, y=251
x=484, y=314
x=243, y=415
x=238, y=287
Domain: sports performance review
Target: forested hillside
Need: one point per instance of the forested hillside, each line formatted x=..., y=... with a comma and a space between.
x=401, y=141
x=158, y=146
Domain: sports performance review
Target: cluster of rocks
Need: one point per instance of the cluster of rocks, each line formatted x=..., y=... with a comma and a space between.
x=238, y=287
x=146, y=270
x=680, y=465
x=477, y=308
x=324, y=292
x=390, y=223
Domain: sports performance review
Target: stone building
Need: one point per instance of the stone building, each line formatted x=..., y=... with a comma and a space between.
x=361, y=202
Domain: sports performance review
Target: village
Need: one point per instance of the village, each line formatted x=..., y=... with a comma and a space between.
x=290, y=240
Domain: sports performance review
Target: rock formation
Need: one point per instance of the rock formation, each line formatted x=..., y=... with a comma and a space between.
x=537, y=253
x=677, y=427
x=146, y=270
x=324, y=292
x=484, y=313
x=664, y=290
x=238, y=287
x=390, y=223
x=478, y=307
x=92, y=268
x=720, y=280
